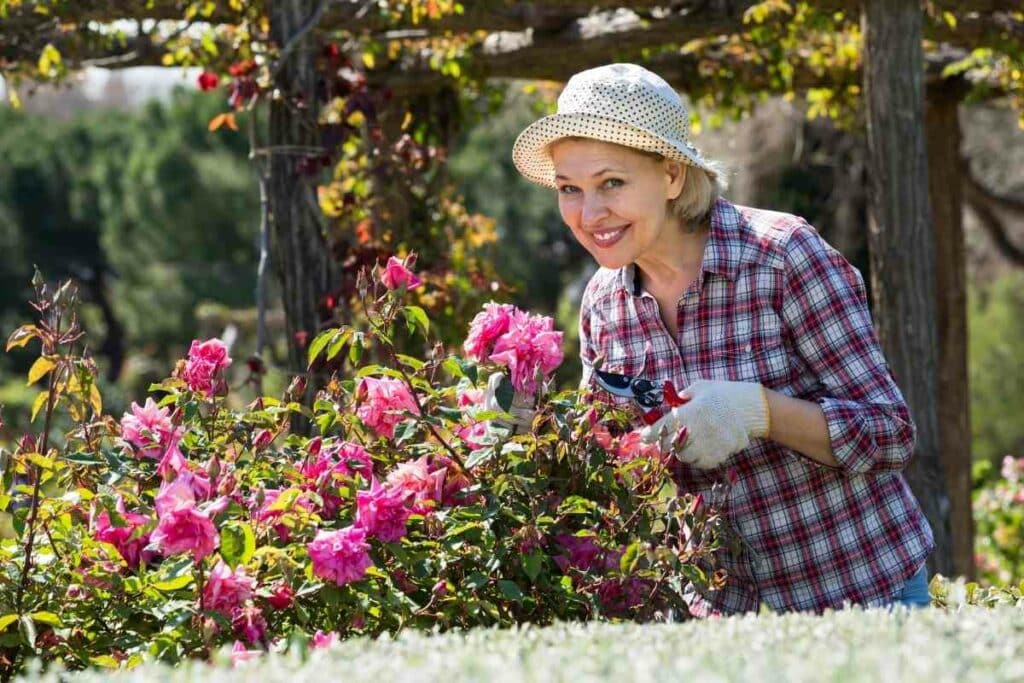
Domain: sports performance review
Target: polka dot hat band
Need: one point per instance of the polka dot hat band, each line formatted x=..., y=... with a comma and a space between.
x=621, y=103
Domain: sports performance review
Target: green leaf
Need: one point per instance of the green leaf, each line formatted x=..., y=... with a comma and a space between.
x=237, y=544
x=504, y=393
x=417, y=317
x=338, y=342
x=84, y=458
x=414, y=363
x=452, y=366
x=47, y=618
x=355, y=351
x=475, y=580
x=627, y=563
x=533, y=563
x=318, y=344
x=28, y=631
x=173, y=584
x=479, y=456
x=511, y=590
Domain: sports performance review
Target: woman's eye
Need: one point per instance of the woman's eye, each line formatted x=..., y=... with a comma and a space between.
x=568, y=189
x=613, y=182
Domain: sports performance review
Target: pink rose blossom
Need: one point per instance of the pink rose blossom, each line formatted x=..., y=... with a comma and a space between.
x=240, y=655
x=383, y=403
x=248, y=622
x=418, y=484
x=341, y=556
x=619, y=596
x=185, y=529
x=1012, y=468
x=148, y=428
x=226, y=590
x=382, y=511
x=473, y=432
x=206, y=361
x=282, y=597
x=583, y=552
x=129, y=543
x=395, y=274
x=485, y=329
x=531, y=346
x=265, y=514
x=322, y=640
x=342, y=458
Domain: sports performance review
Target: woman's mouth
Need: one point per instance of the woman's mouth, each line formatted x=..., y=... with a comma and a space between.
x=606, y=238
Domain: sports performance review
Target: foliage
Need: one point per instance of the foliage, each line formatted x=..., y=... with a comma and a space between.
x=959, y=643
x=996, y=331
x=186, y=525
x=150, y=214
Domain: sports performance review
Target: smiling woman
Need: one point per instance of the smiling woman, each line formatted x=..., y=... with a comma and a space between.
x=765, y=324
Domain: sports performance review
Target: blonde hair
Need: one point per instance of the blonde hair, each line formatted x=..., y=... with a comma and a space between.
x=701, y=188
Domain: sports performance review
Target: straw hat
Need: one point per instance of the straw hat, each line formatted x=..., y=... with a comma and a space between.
x=621, y=103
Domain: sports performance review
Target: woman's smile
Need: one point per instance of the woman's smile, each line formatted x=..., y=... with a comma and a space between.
x=608, y=238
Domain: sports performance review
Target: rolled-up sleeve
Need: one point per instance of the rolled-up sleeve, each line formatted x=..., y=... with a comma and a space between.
x=825, y=308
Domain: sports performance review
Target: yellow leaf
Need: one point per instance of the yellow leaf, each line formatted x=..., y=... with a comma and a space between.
x=167, y=59
x=356, y=119
x=368, y=60
x=12, y=95
x=22, y=336
x=38, y=404
x=40, y=460
x=216, y=122
x=950, y=19
x=49, y=60
x=96, y=400
x=39, y=369
x=407, y=120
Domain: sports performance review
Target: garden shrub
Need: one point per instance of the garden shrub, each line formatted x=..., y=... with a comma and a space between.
x=187, y=526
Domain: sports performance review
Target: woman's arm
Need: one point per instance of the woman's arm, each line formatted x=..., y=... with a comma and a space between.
x=800, y=426
x=825, y=310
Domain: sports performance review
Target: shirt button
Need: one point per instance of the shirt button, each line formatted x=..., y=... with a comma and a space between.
x=747, y=348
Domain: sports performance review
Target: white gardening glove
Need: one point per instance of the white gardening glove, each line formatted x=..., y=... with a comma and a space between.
x=522, y=410
x=721, y=419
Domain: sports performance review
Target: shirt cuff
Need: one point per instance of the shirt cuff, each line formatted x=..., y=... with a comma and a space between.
x=852, y=444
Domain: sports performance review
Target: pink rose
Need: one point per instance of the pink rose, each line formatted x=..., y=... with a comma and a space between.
x=342, y=458
x=341, y=556
x=485, y=329
x=583, y=552
x=240, y=655
x=531, y=346
x=185, y=529
x=148, y=428
x=382, y=511
x=206, y=361
x=265, y=514
x=226, y=590
x=282, y=597
x=383, y=402
x=322, y=640
x=128, y=541
x=248, y=622
x=395, y=274
x=418, y=484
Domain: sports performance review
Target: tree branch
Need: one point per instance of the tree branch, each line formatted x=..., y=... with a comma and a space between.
x=983, y=202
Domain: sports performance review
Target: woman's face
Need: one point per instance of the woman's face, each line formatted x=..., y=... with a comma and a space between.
x=615, y=199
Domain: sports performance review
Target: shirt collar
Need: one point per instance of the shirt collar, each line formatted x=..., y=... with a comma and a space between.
x=723, y=252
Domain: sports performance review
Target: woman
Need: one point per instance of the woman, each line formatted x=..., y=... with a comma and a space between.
x=767, y=328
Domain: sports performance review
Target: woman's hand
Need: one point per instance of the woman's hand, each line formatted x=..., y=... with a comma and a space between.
x=721, y=419
x=522, y=409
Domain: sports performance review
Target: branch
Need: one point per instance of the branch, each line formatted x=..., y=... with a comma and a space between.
x=983, y=202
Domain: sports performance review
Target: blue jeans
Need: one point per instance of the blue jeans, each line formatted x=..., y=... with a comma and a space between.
x=915, y=590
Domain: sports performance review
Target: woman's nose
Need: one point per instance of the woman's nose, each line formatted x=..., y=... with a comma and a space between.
x=594, y=210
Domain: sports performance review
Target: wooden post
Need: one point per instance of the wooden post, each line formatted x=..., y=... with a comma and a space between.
x=901, y=241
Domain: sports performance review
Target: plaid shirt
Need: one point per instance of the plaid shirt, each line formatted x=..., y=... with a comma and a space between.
x=775, y=304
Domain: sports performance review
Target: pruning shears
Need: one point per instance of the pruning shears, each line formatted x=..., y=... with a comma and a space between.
x=653, y=397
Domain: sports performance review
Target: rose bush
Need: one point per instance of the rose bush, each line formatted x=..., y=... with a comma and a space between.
x=999, y=522
x=187, y=526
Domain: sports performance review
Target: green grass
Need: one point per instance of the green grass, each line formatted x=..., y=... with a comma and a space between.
x=932, y=646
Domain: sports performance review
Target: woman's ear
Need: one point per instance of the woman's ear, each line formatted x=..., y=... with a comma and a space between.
x=675, y=173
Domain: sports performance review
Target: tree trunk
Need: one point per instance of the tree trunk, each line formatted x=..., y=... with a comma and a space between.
x=298, y=248
x=901, y=242
x=943, y=129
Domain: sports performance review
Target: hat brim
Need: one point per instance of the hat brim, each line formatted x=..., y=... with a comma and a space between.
x=530, y=154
